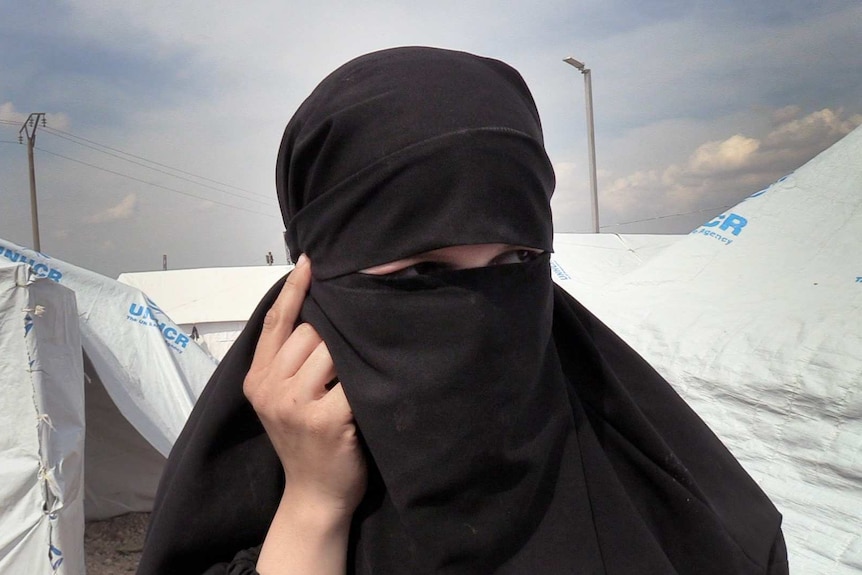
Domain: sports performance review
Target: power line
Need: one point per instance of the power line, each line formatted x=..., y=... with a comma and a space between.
x=93, y=145
x=669, y=216
x=97, y=146
x=156, y=185
x=268, y=203
x=69, y=136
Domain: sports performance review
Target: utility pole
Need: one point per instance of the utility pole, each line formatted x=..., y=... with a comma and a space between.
x=29, y=129
x=591, y=135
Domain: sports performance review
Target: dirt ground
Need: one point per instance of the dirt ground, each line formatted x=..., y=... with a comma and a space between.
x=113, y=547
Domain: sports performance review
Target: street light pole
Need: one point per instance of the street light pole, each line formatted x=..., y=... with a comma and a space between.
x=29, y=128
x=591, y=133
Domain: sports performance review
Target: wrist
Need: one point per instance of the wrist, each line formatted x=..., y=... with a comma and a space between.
x=314, y=512
x=306, y=535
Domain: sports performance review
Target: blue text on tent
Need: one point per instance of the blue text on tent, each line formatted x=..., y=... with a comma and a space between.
x=724, y=222
x=146, y=315
x=40, y=269
x=732, y=222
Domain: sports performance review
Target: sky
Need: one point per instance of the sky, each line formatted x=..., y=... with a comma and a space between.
x=163, y=119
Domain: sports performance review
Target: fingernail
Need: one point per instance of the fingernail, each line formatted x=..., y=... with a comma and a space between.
x=303, y=260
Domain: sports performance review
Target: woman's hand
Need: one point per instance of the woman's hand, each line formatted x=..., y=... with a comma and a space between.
x=313, y=433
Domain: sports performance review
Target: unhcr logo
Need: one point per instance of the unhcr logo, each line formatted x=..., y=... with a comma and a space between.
x=558, y=271
x=759, y=193
x=727, y=224
x=40, y=268
x=148, y=315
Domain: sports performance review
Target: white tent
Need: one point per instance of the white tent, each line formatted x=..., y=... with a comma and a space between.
x=215, y=303
x=756, y=319
x=114, y=409
x=595, y=260
x=41, y=391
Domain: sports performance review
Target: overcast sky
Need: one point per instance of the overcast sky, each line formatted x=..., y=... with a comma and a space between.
x=697, y=105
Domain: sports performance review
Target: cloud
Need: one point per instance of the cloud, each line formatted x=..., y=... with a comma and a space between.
x=122, y=211
x=785, y=114
x=720, y=173
x=7, y=112
x=816, y=129
x=717, y=157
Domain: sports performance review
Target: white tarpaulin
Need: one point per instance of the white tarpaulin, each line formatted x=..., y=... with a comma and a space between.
x=140, y=378
x=596, y=259
x=214, y=303
x=756, y=319
x=149, y=367
x=41, y=427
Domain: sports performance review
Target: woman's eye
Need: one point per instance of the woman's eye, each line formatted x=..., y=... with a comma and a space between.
x=420, y=269
x=433, y=267
x=516, y=257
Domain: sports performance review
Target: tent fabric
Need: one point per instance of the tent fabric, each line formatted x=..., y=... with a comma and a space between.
x=195, y=296
x=135, y=386
x=214, y=302
x=122, y=468
x=597, y=259
x=150, y=368
x=41, y=427
x=754, y=317
x=216, y=337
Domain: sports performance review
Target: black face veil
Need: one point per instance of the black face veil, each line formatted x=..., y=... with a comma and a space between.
x=507, y=429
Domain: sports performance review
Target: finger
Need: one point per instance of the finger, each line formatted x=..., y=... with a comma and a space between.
x=281, y=317
x=317, y=371
x=338, y=401
x=295, y=351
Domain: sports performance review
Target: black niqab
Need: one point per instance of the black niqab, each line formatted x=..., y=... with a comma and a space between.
x=507, y=429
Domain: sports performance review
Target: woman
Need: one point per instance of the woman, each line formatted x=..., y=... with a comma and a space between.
x=501, y=427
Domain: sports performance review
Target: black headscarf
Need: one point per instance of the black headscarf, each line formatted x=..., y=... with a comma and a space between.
x=507, y=429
